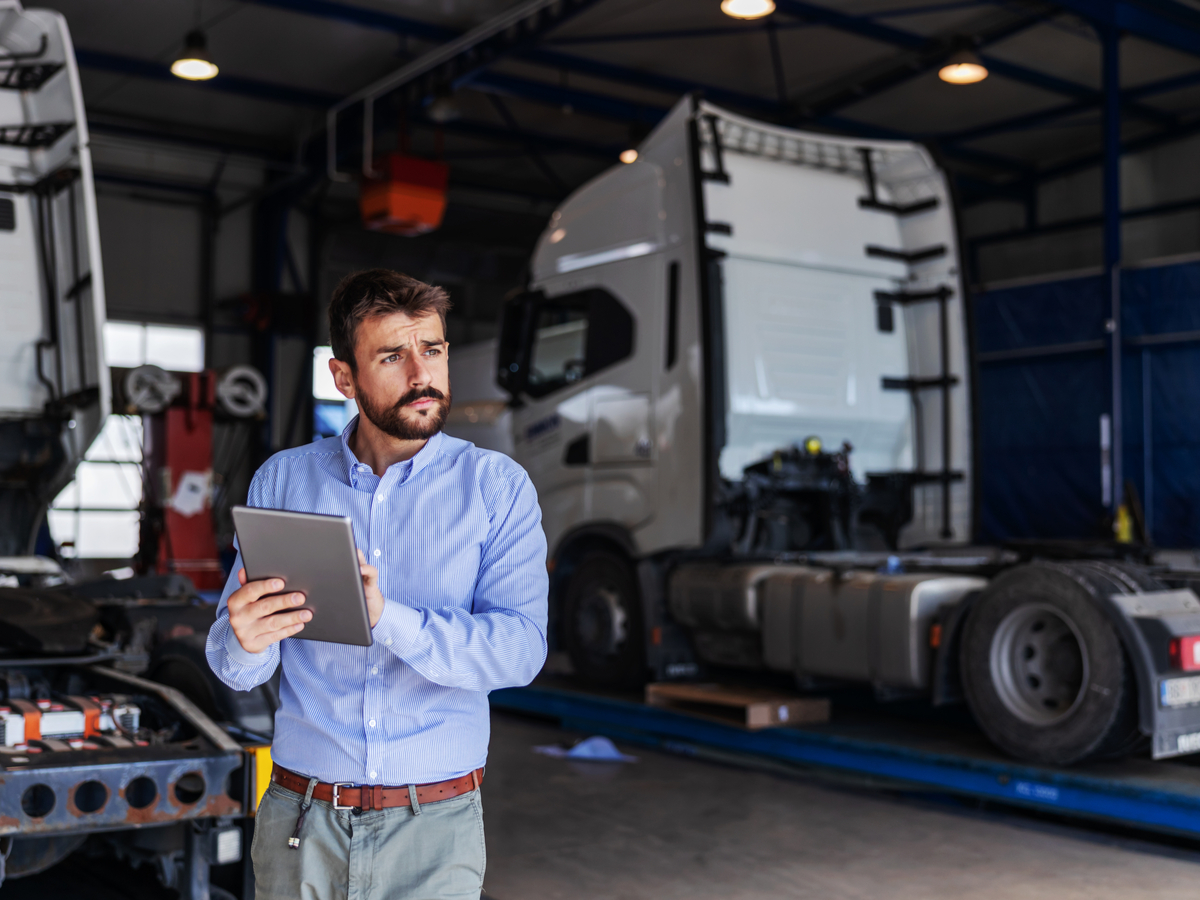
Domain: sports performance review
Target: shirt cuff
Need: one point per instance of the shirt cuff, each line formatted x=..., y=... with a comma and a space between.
x=398, y=627
x=240, y=654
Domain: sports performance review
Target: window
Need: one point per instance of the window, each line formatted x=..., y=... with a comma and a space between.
x=331, y=411
x=173, y=347
x=96, y=515
x=574, y=336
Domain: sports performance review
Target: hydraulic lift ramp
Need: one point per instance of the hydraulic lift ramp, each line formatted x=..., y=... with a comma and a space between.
x=1161, y=796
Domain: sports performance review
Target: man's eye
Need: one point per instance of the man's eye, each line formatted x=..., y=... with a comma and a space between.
x=392, y=358
x=433, y=351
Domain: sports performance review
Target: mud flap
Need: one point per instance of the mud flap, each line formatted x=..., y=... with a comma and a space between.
x=1169, y=707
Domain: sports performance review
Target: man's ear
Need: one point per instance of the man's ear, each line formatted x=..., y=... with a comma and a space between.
x=343, y=378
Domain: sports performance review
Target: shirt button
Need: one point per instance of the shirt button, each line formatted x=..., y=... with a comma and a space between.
x=372, y=724
x=372, y=773
x=379, y=499
x=388, y=641
x=374, y=670
x=377, y=551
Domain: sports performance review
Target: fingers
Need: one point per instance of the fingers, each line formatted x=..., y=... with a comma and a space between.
x=270, y=605
x=272, y=637
x=252, y=591
x=241, y=576
x=259, y=633
x=370, y=574
x=267, y=606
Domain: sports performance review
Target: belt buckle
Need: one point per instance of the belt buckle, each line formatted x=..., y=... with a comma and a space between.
x=337, y=792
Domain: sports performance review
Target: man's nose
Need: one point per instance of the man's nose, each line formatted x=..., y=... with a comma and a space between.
x=418, y=371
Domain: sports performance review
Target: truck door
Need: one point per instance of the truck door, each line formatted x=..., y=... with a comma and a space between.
x=583, y=428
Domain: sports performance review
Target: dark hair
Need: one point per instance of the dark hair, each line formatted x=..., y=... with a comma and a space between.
x=378, y=292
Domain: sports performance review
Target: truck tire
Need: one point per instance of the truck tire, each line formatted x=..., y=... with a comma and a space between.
x=1044, y=671
x=602, y=622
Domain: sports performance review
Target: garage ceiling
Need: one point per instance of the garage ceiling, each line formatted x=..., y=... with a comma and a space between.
x=544, y=118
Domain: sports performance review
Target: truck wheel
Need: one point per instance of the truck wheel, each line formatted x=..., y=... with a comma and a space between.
x=602, y=622
x=1044, y=671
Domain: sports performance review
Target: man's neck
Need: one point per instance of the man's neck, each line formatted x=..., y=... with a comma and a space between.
x=380, y=450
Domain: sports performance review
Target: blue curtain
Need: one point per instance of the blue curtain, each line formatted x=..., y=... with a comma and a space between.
x=1039, y=416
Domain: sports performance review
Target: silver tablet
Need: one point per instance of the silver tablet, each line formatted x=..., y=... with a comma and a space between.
x=314, y=555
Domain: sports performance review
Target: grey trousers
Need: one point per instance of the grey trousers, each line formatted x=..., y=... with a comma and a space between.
x=436, y=853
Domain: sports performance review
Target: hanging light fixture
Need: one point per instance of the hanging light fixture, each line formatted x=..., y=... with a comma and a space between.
x=964, y=67
x=194, y=63
x=747, y=9
x=443, y=108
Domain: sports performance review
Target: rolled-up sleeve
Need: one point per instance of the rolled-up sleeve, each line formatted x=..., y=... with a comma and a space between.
x=501, y=641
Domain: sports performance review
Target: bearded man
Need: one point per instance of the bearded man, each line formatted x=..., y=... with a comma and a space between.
x=379, y=751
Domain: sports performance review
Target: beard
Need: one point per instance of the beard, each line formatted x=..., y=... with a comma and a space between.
x=418, y=424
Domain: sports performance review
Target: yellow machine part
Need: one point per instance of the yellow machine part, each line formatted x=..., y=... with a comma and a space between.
x=260, y=766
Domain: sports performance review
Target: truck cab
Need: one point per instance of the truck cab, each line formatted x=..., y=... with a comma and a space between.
x=739, y=292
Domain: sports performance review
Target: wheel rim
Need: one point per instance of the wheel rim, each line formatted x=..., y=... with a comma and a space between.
x=602, y=620
x=1039, y=664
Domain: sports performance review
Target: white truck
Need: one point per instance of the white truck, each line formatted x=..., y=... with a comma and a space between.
x=107, y=721
x=740, y=379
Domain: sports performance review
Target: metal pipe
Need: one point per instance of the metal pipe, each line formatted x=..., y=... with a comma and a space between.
x=944, y=342
x=58, y=661
x=1110, y=38
x=1147, y=444
x=415, y=69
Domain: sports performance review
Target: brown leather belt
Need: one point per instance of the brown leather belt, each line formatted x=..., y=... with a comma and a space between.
x=368, y=797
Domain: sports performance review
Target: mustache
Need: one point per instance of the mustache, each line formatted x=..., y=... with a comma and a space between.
x=416, y=394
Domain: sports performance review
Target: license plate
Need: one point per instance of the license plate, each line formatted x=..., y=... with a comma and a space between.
x=1180, y=691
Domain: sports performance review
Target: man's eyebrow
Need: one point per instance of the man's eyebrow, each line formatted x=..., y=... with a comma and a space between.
x=401, y=347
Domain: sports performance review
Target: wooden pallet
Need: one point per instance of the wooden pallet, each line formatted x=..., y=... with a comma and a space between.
x=752, y=708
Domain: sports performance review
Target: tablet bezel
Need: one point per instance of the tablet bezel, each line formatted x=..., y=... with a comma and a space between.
x=316, y=555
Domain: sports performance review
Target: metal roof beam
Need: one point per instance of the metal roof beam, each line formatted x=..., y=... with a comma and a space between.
x=672, y=35
x=229, y=84
x=1081, y=163
x=1081, y=222
x=1018, y=123
x=1164, y=22
x=366, y=18
x=450, y=64
x=939, y=48
x=665, y=83
x=601, y=105
x=547, y=143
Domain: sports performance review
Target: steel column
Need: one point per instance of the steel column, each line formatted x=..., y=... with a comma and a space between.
x=1110, y=38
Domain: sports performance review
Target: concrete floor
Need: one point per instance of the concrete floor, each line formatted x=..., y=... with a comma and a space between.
x=670, y=827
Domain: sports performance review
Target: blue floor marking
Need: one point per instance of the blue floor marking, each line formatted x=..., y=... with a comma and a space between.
x=1055, y=790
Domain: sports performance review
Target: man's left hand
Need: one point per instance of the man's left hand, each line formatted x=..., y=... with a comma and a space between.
x=370, y=577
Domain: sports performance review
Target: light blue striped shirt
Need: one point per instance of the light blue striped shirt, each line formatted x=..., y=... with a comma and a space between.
x=456, y=535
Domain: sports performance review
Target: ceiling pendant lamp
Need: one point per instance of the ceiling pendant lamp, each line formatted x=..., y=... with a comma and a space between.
x=194, y=63
x=747, y=9
x=964, y=67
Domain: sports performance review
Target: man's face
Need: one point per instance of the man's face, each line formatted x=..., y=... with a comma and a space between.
x=403, y=383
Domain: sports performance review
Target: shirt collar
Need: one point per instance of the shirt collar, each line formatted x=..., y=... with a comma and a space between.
x=422, y=458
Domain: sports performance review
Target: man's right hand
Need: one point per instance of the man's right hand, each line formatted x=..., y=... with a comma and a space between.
x=258, y=620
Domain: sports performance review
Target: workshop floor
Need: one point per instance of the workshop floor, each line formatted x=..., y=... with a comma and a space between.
x=670, y=827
